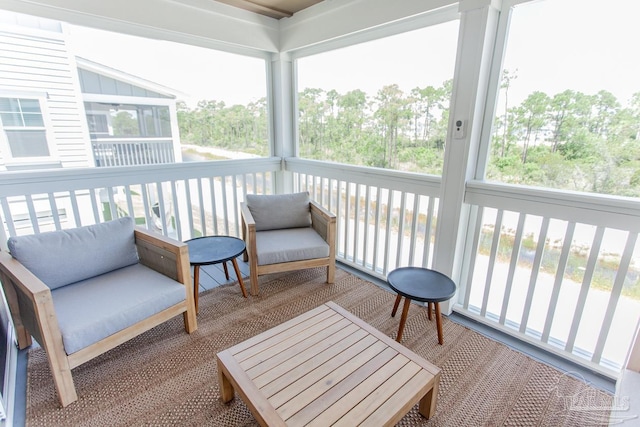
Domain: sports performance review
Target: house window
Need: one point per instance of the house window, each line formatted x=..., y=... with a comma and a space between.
x=568, y=111
x=128, y=121
x=23, y=125
x=156, y=121
x=98, y=124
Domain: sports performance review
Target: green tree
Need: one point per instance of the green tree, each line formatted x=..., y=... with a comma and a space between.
x=392, y=114
x=531, y=118
x=425, y=104
x=125, y=124
x=310, y=121
x=505, y=83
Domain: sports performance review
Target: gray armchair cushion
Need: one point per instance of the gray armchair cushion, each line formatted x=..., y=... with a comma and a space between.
x=278, y=211
x=59, y=258
x=294, y=244
x=93, y=309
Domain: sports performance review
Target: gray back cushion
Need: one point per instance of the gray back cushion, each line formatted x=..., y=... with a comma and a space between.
x=278, y=211
x=62, y=257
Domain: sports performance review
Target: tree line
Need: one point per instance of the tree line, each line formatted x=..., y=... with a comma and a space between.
x=238, y=127
x=569, y=140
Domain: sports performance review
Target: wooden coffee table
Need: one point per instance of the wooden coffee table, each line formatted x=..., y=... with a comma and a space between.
x=327, y=367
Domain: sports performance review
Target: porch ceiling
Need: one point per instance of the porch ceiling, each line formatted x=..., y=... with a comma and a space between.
x=273, y=8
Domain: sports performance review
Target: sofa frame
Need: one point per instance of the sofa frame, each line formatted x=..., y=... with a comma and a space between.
x=32, y=310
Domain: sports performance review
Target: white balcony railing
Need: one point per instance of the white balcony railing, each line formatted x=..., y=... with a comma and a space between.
x=181, y=200
x=557, y=269
x=561, y=272
x=385, y=218
x=132, y=151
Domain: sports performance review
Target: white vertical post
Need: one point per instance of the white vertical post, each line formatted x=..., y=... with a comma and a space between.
x=283, y=137
x=478, y=26
x=175, y=133
x=633, y=358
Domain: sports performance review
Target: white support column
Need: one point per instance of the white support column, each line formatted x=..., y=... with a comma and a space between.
x=478, y=26
x=633, y=358
x=175, y=133
x=282, y=111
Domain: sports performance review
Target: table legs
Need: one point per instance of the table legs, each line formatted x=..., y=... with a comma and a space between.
x=196, y=285
x=403, y=318
x=395, y=305
x=238, y=275
x=439, y=324
x=196, y=280
x=226, y=388
x=427, y=406
x=405, y=311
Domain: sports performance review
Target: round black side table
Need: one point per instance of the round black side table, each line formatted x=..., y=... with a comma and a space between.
x=209, y=250
x=420, y=284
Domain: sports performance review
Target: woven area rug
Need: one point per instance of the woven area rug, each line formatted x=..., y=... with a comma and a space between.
x=167, y=377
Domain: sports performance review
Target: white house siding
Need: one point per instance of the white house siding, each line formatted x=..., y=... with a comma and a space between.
x=37, y=59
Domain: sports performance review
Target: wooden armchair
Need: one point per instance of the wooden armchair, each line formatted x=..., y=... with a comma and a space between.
x=153, y=286
x=287, y=232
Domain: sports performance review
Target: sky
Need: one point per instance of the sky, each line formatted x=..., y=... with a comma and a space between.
x=419, y=58
x=554, y=45
x=196, y=72
x=575, y=44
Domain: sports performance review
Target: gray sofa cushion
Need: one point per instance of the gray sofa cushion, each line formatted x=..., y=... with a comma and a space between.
x=93, y=309
x=59, y=258
x=278, y=211
x=294, y=244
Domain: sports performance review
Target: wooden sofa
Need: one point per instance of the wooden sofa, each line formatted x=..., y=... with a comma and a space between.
x=141, y=280
x=286, y=232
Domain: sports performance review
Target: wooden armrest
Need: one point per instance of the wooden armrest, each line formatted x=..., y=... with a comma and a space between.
x=317, y=209
x=248, y=223
x=160, y=241
x=21, y=277
x=164, y=255
x=247, y=218
x=323, y=221
x=28, y=298
x=248, y=234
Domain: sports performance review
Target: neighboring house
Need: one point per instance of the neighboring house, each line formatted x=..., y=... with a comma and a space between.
x=131, y=120
x=57, y=110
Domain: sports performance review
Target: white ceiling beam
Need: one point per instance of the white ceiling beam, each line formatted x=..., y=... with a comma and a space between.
x=258, y=8
x=199, y=22
x=332, y=19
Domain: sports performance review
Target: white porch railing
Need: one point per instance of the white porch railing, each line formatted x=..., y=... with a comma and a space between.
x=559, y=270
x=579, y=300
x=181, y=200
x=560, y=273
x=132, y=151
x=385, y=219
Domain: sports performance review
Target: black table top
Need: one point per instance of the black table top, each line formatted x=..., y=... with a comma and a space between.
x=214, y=249
x=421, y=284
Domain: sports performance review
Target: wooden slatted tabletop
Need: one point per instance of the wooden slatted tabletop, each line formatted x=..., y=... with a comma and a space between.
x=327, y=367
